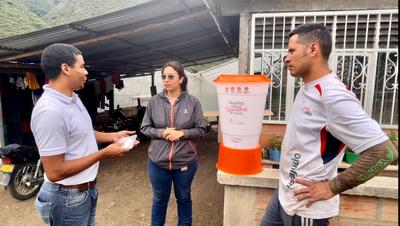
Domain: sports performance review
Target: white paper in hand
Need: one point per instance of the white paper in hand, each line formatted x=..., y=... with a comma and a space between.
x=128, y=142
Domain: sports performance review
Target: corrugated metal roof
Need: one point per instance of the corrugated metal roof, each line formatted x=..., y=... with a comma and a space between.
x=135, y=41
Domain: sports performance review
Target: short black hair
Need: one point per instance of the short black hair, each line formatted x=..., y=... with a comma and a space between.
x=312, y=32
x=55, y=55
x=181, y=72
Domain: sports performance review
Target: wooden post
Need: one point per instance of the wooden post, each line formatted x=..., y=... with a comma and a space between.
x=2, y=144
x=153, y=88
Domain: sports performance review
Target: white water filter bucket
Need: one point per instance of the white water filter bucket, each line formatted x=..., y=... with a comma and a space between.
x=241, y=103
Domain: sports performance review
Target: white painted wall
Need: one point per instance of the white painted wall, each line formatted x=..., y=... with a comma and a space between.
x=199, y=85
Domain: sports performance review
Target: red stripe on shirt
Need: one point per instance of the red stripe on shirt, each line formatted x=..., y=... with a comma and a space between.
x=323, y=136
x=318, y=87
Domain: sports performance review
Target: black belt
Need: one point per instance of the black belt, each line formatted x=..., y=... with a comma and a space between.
x=80, y=187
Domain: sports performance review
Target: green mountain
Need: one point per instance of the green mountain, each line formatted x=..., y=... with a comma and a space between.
x=39, y=7
x=73, y=10
x=16, y=19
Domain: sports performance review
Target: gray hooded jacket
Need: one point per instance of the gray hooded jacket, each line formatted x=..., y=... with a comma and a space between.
x=187, y=116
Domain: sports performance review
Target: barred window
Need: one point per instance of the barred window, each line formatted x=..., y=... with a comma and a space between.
x=364, y=55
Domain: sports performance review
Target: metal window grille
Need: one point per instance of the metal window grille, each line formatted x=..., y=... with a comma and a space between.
x=364, y=55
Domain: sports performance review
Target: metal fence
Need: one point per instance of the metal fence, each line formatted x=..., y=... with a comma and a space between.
x=364, y=55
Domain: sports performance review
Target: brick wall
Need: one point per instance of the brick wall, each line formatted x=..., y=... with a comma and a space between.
x=263, y=195
x=354, y=210
x=270, y=130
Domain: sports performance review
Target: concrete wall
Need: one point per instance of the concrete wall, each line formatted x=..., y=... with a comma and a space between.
x=205, y=91
x=274, y=6
x=353, y=210
x=133, y=87
x=200, y=85
x=140, y=86
x=246, y=198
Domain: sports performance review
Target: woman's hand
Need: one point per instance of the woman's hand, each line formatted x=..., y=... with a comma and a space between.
x=168, y=131
x=172, y=134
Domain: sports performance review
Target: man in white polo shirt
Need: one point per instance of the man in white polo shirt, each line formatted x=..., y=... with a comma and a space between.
x=67, y=142
x=325, y=117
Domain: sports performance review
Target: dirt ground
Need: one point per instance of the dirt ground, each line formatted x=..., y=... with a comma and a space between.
x=125, y=192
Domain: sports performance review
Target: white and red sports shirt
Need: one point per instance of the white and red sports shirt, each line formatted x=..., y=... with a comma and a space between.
x=326, y=116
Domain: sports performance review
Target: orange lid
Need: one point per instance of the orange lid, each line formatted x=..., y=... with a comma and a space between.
x=244, y=78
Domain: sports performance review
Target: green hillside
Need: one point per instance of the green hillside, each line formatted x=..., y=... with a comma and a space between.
x=39, y=7
x=16, y=19
x=74, y=10
x=24, y=16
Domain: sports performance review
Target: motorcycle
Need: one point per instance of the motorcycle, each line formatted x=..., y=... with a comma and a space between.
x=21, y=171
x=118, y=121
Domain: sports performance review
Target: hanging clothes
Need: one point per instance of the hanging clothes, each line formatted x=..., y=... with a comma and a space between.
x=115, y=77
x=35, y=98
x=30, y=79
x=12, y=80
x=97, y=88
x=109, y=84
x=120, y=84
x=19, y=84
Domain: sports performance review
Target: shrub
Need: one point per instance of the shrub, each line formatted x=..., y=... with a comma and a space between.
x=275, y=143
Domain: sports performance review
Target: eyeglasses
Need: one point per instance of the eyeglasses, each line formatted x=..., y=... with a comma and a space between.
x=170, y=77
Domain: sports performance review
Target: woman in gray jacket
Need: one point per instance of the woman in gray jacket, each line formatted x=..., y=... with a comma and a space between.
x=173, y=119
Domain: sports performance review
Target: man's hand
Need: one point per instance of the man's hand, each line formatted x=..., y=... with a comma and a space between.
x=114, y=150
x=313, y=192
x=115, y=137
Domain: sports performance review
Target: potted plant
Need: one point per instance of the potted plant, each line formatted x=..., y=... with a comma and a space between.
x=349, y=156
x=393, y=138
x=275, y=145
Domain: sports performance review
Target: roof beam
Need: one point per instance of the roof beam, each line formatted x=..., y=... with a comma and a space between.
x=161, y=45
x=191, y=62
x=202, y=27
x=19, y=66
x=10, y=49
x=169, y=46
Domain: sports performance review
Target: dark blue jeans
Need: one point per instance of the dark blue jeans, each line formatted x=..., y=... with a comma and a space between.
x=60, y=206
x=161, y=181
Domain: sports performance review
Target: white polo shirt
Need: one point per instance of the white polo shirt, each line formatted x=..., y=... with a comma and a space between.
x=61, y=124
x=325, y=116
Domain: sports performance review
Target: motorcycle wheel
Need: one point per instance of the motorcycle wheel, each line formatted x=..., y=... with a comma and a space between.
x=20, y=175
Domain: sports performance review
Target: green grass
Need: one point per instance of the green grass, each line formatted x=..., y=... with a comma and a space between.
x=24, y=16
x=74, y=10
x=16, y=19
x=39, y=7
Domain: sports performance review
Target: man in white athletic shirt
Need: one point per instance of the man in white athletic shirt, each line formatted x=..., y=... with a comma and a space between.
x=326, y=116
